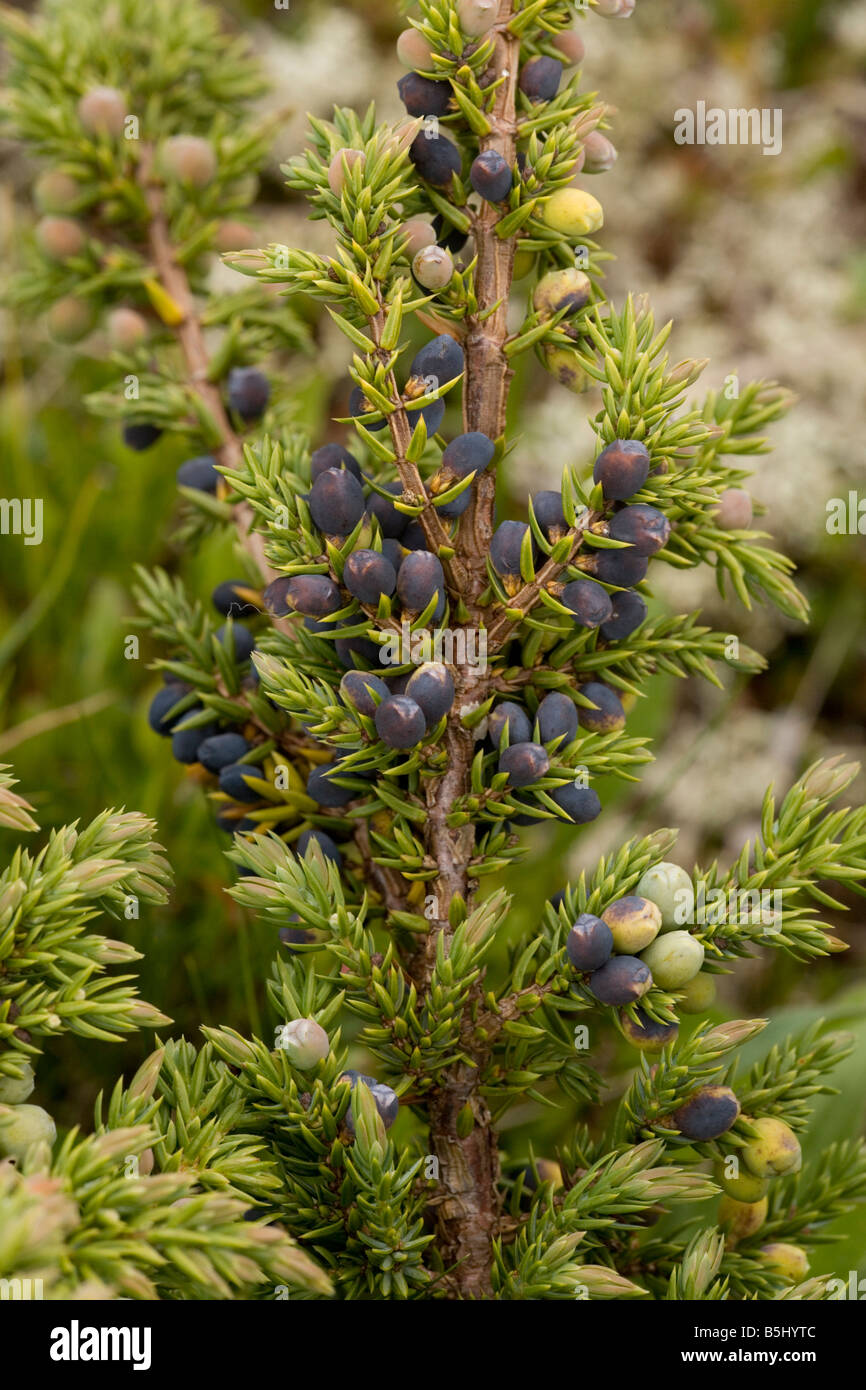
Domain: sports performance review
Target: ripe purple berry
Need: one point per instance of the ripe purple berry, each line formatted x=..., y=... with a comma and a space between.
x=400, y=722
x=236, y=598
x=233, y=781
x=525, y=763
x=629, y=611
x=540, y=78
x=432, y=415
x=467, y=453
x=422, y=96
x=242, y=640
x=140, y=435
x=515, y=717
x=622, y=469
x=248, y=392
x=588, y=601
x=491, y=176
x=326, y=792
x=421, y=576
x=589, y=943
x=437, y=160
x=608, y=714
x=440, y=361
x=621, y=980
x=217, y=751
x=336, y=502
x=557, y=718
x=432, y=687
x=392, y=523
x=505, y=550
x=313, y=595
x=185, y=742
x=547, y=509
x=360, y=409
x=161, y=705
x=621, y=567
x=200, y=474
x=368, y=575
x=708, y=1115
x=644, y=527
x=318, y=837
x=333, y=456
x=356, y=688
x=580, y=804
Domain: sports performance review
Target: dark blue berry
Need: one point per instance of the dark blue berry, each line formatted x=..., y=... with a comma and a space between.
x=333, y=456
x=218, y=750
x=621, y=567
x=505, y=549
x=491, y=176
x=326, y=792
x=467, y=453
x=421, y=575
x=140, y=435
x=368, y=575
x=336, y=502
x=353, y=651
x=432, y=415
x=540, y=78
x=608, y=715
x=248, y=392
x=360, y=408
x=400, y=722
x=441, y=358
x=236, y=598
x=580, y=804
x=589, y=943
x=276, y=597
x=243, y=640
x=422, y=96
x=547, y=507
x=448, y=235
x=629, y=611
x=708, y=1115
x=163, y=701
x=457, y=505
x=314, y=595
x=233, y=781
x=644, y=527
x=621, y=980
x=525, y=763
x=355, y=688
x=413, y=538
x=557, y=718
x=393, y=551
x=199, y=473
x=518, y=721
x=185, y=742
x=589, y=602
x=391, y=522
x=326, y=845
x=432, y=687
x=622, y=468
x=437, y=159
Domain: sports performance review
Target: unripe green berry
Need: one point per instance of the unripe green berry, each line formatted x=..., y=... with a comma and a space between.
x=790, y=1261
x=70, y=319
x=477, y=17
x=190, y=158
x=414, y=51
x=55, y=191
x=433, y=267
x=671, y=889
x=574, y=212
x=634, y=923
x=562, y=363
x=15, y=1089
x=698, y=995
x=417, y=235
x=60, y=238
x=774, y=1151
x=741, y=1219
x=102, y=111
x=343, y=160
x=305, y=1043
x=674, y=959
x=745, y=1187
x=524, y=261
x=735, y=511
x=23, y=1125
x=126, y=328
x=561, y=289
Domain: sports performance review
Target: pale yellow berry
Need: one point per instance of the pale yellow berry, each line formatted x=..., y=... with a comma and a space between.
x=70, y=319
x=126, y=328
x=574, y=212
x=433, y=267
x=416, y=234
x=562, y=363
x=190, y=158
x=102, y=111
x=414, y=51
x=734, y=512
x=55, y=191
x=741, y=1219
x=570, y=46
x=60, y=238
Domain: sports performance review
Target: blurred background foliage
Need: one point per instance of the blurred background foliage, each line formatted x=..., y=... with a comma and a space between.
x=761, y=262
